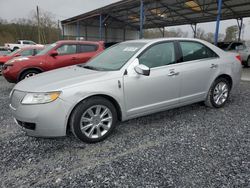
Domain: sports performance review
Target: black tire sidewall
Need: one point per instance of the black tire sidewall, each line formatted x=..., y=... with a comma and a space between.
x=81, y=108
x=212, y=92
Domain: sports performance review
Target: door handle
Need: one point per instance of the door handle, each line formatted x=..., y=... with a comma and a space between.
x=213, y=66
x=74, y=58
x=173, y=73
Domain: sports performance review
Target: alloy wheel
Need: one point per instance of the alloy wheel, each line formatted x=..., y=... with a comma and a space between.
x=96, y=121
x=220, y=93
x=29, y=75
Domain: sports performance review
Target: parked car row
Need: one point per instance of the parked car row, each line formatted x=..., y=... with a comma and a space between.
x=128, y=80
x=23, y=52
x=240, y=47
x=21, y=44
x=56, y=55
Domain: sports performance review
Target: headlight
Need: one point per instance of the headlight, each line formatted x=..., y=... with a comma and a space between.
x=40, y=98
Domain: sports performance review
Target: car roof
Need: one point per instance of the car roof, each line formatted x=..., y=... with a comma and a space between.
x=78, y=42
x=164, y=39
x=32, y=47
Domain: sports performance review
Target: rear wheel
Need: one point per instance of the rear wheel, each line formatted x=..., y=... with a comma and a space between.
x=28, y=73
x=218, y=93
x=93, y=119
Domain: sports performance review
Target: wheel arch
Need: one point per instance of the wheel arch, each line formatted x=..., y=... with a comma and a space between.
x=228, y=77
x=108, y=97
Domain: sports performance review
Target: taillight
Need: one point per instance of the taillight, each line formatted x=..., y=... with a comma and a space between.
x=238, y=57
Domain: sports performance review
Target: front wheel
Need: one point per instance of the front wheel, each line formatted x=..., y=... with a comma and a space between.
x=93, y=119
x=218, y=93
x=28, y=74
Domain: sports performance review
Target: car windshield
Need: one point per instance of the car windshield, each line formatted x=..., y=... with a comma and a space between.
x=47, y=49
x=14, y=52
x=114, y=57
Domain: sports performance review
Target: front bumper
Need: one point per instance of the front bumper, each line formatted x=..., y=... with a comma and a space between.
x=9, y=74
x=42, y=120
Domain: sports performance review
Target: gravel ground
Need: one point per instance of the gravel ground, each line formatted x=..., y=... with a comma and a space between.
x=192, y=146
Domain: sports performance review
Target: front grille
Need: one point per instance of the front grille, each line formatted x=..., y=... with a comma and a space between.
x=16, y=98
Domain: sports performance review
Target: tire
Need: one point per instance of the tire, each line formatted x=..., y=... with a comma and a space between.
x=28, y=73
x=220, y=86
x=85, y=125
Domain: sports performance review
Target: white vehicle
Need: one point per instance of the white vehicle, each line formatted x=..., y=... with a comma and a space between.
x=240, y=47
x=20, y=44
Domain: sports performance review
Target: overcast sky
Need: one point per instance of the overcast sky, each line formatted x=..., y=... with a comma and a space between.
x=63, y=9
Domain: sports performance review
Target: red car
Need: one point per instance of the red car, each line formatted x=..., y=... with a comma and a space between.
x=26, y=51
x=57, y=55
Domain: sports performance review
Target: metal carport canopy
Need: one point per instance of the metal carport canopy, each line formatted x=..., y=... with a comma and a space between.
x=145, y=14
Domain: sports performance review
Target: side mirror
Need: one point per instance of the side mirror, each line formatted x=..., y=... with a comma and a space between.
x=54, y=53
x=17, y=55
x=142, y=69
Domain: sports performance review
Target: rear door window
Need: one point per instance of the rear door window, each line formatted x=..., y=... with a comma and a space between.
x=84, y=48
x=67, y=49
x=194, y=51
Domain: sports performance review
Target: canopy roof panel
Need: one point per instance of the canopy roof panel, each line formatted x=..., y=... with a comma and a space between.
x=162, y=13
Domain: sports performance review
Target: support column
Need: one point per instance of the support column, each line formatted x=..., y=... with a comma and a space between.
x=216, y=37
x=194, y=28
x=62, y=31
x=78, y=30
x=240, y=25
x=141, y=19
x=86, y=32
x=100, y=27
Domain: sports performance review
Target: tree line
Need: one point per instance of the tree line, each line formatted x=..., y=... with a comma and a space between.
x=230, y=35
x=27, y=29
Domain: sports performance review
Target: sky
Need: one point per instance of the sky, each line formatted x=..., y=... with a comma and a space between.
x=63, y=9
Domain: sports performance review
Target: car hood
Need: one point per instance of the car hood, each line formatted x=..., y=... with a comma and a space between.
x=3, y=59
x=62, y=78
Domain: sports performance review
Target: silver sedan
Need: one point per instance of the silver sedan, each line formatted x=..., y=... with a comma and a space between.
x=129, y=80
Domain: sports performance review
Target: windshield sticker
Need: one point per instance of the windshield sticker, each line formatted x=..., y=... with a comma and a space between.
x=130, y=49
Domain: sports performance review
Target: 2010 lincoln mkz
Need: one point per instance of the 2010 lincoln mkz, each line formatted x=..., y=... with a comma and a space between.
x=128, y=80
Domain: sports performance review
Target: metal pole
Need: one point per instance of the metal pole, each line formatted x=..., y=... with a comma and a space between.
x=163, y=32
x=86, y=32
x=100, y=27
x=78, y=30
x=38, y=25
x=240, y=27
x=216, y=37
x=194, y=26
x=141, y=19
